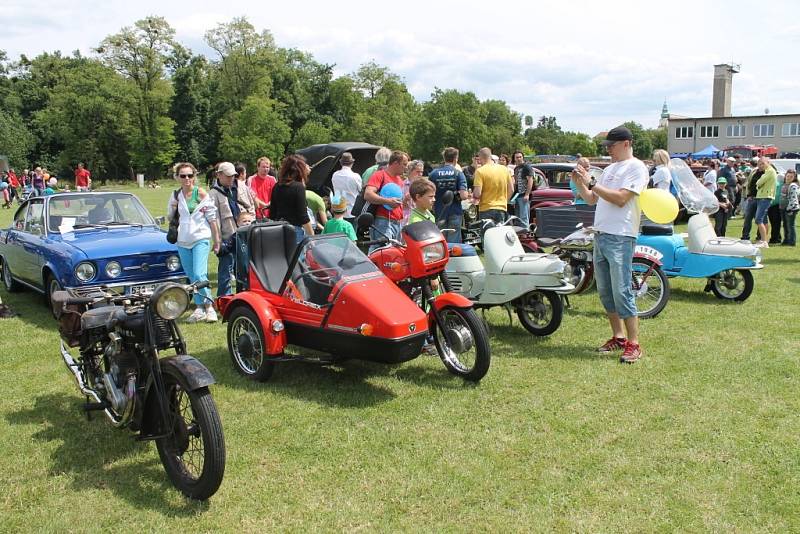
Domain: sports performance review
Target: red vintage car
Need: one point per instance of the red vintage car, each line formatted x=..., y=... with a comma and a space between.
x=323, y=294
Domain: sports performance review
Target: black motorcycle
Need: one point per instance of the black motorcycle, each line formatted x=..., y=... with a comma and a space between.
x=120, y=371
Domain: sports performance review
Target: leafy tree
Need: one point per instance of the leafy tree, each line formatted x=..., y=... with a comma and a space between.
x=642, y=145
x=370, y=78
x=258, y=129
x=503, y=126
x=191, y=109
x=140, y=54
x=658, y=138
x=15, y=139
x=548, y=122
x=310, y=133
x=450, y=118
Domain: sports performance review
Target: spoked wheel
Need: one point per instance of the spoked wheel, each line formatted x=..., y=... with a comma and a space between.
x=650, y=288
x=246, y=345
x=733, y=284
x=462, y=343
x=540, y=312
x=194, y=453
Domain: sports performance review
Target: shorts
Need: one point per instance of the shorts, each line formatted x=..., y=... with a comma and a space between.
x=613, y=266
x=762, y=206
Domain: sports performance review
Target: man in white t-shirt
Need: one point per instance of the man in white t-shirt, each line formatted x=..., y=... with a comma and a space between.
x=347, y=184
x=710, y=176
x=616, y=221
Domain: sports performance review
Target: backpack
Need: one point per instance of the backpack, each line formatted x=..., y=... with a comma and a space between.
x=174, y=222
x=361, y=206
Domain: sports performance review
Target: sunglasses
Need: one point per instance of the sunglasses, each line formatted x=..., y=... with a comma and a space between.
x=190, y=175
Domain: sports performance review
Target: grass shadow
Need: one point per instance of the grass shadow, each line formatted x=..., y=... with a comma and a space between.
x=88, y=450
x=29, y=308
x=780, y=261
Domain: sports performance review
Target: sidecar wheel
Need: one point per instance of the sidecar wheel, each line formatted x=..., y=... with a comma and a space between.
x=462, y=343
x=540, y=312
x=194, y=454
x=733, y=284
x=246, y=345
x=650, y=288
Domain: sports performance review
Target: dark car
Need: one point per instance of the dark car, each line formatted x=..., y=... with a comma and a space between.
x=80, y=241
x=558, y=174
x=324, y=161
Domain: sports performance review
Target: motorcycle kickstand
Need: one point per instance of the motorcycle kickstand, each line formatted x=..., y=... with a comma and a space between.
x=508, y=311
x=485, y=322
x=88, y=412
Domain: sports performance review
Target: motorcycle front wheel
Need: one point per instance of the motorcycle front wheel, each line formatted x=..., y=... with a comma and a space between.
x=193, y=454
x=462, y=343
x=650, y=288
x=733, y=284
x=540, y=312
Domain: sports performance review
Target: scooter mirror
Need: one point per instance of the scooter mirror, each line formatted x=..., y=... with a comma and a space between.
x=447, y=198
x=365, y=220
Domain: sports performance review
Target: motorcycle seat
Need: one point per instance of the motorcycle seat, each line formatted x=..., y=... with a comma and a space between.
x=106, y=316
x=651, y=228
x=272, y=246
x=466, y=250
x=548, y=241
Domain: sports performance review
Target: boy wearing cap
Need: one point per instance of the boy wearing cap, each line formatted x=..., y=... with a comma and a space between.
x=616, y=222
x=338, y=225
x=724, y=199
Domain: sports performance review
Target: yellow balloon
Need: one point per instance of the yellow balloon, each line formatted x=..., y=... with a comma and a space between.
x=659, y=205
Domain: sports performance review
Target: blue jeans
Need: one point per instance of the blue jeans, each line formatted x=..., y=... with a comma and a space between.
x=762, y=206
x=749, y=210
x=387, y=229
x=195, y=263
x=613, y=258
x=789, y=232
x=523, y=208
x=498, y=216
x=225, y=274
x=300, y=233
x=453, y=222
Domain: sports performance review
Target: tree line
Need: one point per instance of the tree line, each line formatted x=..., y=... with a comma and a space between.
x=143, y=101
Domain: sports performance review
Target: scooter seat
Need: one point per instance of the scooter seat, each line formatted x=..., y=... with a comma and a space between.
x=466, y=250
x=727, y=246
x=652, y=228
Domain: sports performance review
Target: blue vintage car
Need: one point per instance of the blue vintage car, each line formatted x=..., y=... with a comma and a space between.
x=85, y=240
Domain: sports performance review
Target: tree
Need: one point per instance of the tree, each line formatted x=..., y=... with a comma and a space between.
x=658, y=138
x=503, y=126
x=642, y=146
x=370, y=78
x=450, y=118
x=140, y=55
x=258, y=129
x=548, y=122
x=191, y=109
x=15, y=139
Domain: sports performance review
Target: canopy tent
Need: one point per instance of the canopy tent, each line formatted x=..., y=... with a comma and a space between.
x=708, y=152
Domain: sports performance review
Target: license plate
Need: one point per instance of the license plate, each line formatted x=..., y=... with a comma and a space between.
x=143, y=289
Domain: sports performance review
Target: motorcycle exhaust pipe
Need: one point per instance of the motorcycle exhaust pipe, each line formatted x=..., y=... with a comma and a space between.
x=116, y=420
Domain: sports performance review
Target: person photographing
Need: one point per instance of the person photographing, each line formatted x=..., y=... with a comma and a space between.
x=616, y=222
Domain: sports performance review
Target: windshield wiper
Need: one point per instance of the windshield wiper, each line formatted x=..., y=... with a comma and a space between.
x=121, y=223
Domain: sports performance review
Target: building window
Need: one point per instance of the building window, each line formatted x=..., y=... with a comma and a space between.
x=684, y=132
x=763, y=130
x=735, y=130
x=791, y=129
x=709, y=131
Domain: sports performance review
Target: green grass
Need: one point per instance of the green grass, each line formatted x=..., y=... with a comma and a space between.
x=702, y=434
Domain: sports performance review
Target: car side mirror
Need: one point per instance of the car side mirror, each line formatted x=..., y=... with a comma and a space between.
x=161, y=220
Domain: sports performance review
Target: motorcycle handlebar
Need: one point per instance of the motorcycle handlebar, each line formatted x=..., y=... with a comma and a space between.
x=374, y=242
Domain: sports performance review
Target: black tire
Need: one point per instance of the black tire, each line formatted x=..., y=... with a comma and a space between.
x=650, y=288
x=11, y=285
x=194, y=455
x=462, y=343
x=540, y=312
x=246, y=345
x=733, y=284
x=51, y=285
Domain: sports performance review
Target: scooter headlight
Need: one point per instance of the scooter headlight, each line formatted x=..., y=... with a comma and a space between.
x=433, y=252
x=170, y=301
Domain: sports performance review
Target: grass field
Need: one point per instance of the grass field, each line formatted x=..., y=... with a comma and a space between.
x=701, y=434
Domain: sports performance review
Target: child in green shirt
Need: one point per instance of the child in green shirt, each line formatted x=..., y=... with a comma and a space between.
x=338, y=225
x=423, y=194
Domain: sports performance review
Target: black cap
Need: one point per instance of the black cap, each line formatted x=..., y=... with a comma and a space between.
x=620, y=133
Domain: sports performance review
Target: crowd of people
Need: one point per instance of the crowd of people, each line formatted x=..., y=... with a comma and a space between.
x=38, y=182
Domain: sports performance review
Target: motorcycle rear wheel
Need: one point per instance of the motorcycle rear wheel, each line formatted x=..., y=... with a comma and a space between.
x=650, y=288
x=194, y=454
x=462, y=343
x=540, y=312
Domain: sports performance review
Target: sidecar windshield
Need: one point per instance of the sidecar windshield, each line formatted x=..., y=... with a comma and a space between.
x=322, y=262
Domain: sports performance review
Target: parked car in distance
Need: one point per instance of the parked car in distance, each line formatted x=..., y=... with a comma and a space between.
x=558, y=174
x=80, y=241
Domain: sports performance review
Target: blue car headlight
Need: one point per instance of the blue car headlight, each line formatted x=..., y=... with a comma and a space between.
x=85, y=271
x=113, y=269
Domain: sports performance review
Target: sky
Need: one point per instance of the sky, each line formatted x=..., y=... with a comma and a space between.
x=592, y=65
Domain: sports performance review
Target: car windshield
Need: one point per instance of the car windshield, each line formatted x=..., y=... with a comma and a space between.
x=92, y=210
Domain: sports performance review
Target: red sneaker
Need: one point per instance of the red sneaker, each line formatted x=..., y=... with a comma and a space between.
x=613, y=344
x=631, y=354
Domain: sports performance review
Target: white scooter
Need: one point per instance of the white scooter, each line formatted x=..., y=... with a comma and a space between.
x=528, y=283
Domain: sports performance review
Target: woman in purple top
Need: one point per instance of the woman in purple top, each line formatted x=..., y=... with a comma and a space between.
x=38, y=181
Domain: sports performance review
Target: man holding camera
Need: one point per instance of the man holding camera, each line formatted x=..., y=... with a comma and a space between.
x=616, y=222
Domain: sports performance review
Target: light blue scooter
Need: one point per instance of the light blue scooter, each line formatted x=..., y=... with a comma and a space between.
x=726, y=262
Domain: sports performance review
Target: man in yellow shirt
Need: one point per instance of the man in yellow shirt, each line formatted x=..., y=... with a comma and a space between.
x=492, y=187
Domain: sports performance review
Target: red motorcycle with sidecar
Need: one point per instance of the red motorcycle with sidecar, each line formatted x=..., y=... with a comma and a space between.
x=322, y=294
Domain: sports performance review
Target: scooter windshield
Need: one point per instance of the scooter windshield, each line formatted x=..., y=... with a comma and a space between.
x=692, y=194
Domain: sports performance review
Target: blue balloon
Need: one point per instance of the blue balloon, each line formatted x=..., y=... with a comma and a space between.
x=3, y=186
x=391, y=191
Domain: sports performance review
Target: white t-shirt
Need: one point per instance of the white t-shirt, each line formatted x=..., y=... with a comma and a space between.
x=630, y=174
x=662, y=178
x=348, y=184
x=710, y=180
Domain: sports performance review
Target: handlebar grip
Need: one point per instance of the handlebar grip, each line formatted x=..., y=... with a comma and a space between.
x=79, y=300
x=201, y=285
x=373, y=242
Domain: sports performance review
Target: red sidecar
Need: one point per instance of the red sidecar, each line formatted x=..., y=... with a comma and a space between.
x=323, y=294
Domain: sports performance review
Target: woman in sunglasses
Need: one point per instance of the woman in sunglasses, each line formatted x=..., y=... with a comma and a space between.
x=197, y=230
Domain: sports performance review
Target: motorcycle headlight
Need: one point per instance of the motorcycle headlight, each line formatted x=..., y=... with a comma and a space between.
x=173, y=263
x=113, y=269
x=433, y=252
x=169, y=301
x=85, y=271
